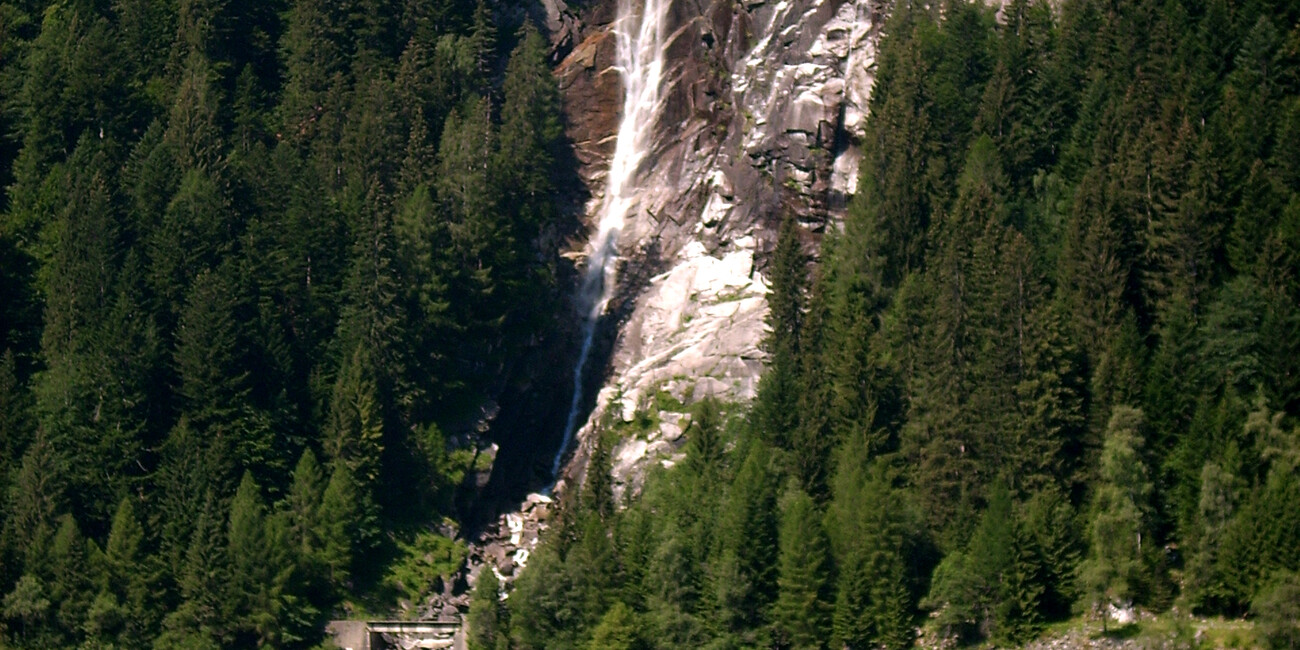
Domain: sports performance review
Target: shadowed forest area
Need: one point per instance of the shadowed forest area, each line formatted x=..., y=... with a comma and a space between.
x=257, y=259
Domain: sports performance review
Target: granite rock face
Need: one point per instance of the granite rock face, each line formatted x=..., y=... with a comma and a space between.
x=764, y=105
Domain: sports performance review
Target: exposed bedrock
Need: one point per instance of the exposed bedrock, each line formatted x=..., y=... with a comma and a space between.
x=763, y=105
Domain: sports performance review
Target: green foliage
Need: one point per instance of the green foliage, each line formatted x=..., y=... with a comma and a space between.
x=219, y=260
x=1114, y=570
x=618, y=630
x=776, y=411
x=487, y=619
x=1057, y=323
x=1052, y=349
x=426, y=561
x=1277, y=611
x=802, y=612
x=872, y=531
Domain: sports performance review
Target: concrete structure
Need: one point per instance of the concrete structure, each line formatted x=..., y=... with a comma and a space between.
x=394, y=635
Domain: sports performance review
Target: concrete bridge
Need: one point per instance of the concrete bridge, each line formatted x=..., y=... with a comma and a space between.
x=395, y=635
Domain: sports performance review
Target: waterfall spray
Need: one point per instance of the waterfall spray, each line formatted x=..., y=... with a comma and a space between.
x=640, y=51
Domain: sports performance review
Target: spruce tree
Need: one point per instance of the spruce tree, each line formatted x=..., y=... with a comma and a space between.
x=776, y=409
x=354, y=433
x=802, y=613
x=304, y=501
x=530, y=135
x=124, y=611
x=1120, y=520
x=868, y=524
x=748, y=540
x=66, y=573
x=618, y=630
x=314, y=61
x=37, y=495
x=15, y=425
x=246, y=553
x=346, y=520
x=487, y=619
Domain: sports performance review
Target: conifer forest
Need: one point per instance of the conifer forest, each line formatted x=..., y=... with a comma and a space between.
x=260, y=262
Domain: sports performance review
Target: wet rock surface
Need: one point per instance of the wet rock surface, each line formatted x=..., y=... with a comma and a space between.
x=763, y=106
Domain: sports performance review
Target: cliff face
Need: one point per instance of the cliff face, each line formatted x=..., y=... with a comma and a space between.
x=764, y=101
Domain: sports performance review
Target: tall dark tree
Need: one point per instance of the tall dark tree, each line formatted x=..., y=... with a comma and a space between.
x=869, y=527
x=776, y=407
x=802, y=614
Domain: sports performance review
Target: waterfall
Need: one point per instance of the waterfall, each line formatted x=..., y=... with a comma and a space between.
x=639, y=60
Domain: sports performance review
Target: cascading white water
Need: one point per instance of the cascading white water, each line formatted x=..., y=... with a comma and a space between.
x=640, y=51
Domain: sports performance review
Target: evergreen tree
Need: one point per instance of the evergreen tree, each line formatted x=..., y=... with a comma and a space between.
x=1120, y=524
x=1278, y=612
x=37, y=496
x=355, y=430
x=530, y=135
x=1050, y=522
x=197, y=621
x=15, y=425
x=748, y=542
x=487, y=618
x=125, y=609
x=65, y=572
x=802, y=612
x=869, y=528
x=314, y=62
x=776, y=408
x=216, y=383
x=346, y=519
x=617, y=630
x=304, y=501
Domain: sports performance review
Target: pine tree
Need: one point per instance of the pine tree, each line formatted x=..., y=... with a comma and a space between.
x=1260, y=540
x=1120, y=520
x=480, y=47
x=1277, y=609
x=197, y=622
x=1204, y=586
x=355, y=434
x=193, y=132
x=1049, y=429
x=542, y=611
x=487, y=618
x=37, y=495
x=422, y=260
x=970, y=588
x=124, y=611
x=15, y=425
x=344, y=525
x=192, y=238
x=530, y=135
x=373, y=318
x=1050, y=523
x=216, y=383
x=314, y=62
x=304, y=501
x=66, y=574
x=1023, y=586
x=868, y=525
x=748, y=541
x=776, y=408
x=802, y=613
x=81, y=281
x=618, y=630
x=481, y=241
x=246, y=552
x=892, y=200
